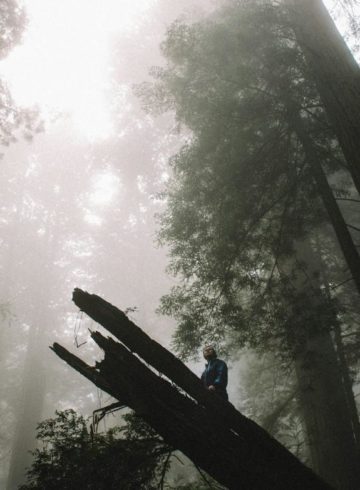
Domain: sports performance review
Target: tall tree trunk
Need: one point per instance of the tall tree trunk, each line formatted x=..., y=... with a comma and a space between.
x=336, y=73
x=349, y=250
x=327, y=420
x=322, y=396
x=344, y=371
x=29, y=411
x=33, y=389
x=343, y=363
x=7, y=288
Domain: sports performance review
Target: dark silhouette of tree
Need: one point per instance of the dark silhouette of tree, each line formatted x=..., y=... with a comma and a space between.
x=70, y=456
x=249, y=194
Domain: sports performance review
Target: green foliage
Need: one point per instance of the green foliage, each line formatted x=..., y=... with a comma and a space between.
x=129, y=457
x=242, y=189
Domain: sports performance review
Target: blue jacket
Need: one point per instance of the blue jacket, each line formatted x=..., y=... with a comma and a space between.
x=216, y=374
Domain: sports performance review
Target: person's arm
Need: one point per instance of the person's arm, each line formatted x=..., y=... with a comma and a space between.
x=221, y=375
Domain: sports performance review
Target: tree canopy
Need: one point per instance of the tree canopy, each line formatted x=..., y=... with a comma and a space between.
x=243, y=188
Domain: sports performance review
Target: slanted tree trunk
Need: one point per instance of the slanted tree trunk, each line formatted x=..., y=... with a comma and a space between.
x=336, y=73
x=208, y=429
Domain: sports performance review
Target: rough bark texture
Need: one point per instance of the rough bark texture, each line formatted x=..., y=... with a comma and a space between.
x=327, y=398
x=322, y=393
x=208, y=429
x=346, y=242
x=336, y=73
x=329, y=429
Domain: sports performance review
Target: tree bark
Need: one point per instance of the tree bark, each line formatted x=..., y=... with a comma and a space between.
x=348, y=248
x=33, y=387
x=344, y=370
x=29, y=409
x=336, y=73
x=322, y=396
x=343, y=362
x=332, y=444
x=241, y=457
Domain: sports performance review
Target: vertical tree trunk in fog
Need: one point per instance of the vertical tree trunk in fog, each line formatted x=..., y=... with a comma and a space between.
x=347, y=245
x=322, y=395
x=31, y=393
x=29, y=411
x=344, y=370
x=343, y=363
x=324, y=406
x=31, y=399
x=10, y=260
x=336, y=74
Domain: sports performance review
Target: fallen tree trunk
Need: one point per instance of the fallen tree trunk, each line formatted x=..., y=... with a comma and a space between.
x=231, y=448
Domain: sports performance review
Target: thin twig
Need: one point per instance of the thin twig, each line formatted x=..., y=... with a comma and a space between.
x=165, y=469
x=346, y=199
x=341, y=283
x=353, y=227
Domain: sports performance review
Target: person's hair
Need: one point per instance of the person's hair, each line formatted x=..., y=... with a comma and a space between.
x=210, y=346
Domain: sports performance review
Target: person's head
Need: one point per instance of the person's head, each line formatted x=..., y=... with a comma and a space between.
x=209, y=352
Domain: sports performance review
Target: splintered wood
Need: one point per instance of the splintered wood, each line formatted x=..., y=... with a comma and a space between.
x=168, y=396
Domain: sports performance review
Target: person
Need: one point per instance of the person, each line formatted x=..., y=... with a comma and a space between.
x=215, y=375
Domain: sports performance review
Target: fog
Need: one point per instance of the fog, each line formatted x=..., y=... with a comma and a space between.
x=78, y=202
x=81, y=192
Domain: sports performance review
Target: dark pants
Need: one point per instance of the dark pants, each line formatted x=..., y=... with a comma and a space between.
x=223, y=393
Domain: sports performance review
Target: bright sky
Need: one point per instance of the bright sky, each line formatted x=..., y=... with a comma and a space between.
x=63, y=63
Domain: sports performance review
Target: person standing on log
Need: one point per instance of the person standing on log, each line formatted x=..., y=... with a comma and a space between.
x=215, y=376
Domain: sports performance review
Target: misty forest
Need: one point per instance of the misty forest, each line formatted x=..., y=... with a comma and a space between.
x=180, y=244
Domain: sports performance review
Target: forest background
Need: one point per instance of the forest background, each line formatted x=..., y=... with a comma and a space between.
x=246, y=242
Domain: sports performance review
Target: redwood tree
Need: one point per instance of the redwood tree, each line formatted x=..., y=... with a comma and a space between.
x=246, y=189
x=336, y=73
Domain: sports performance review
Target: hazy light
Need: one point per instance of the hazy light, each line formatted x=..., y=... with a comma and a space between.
x=105, y=186
x=63, y=64
x=93, y=219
